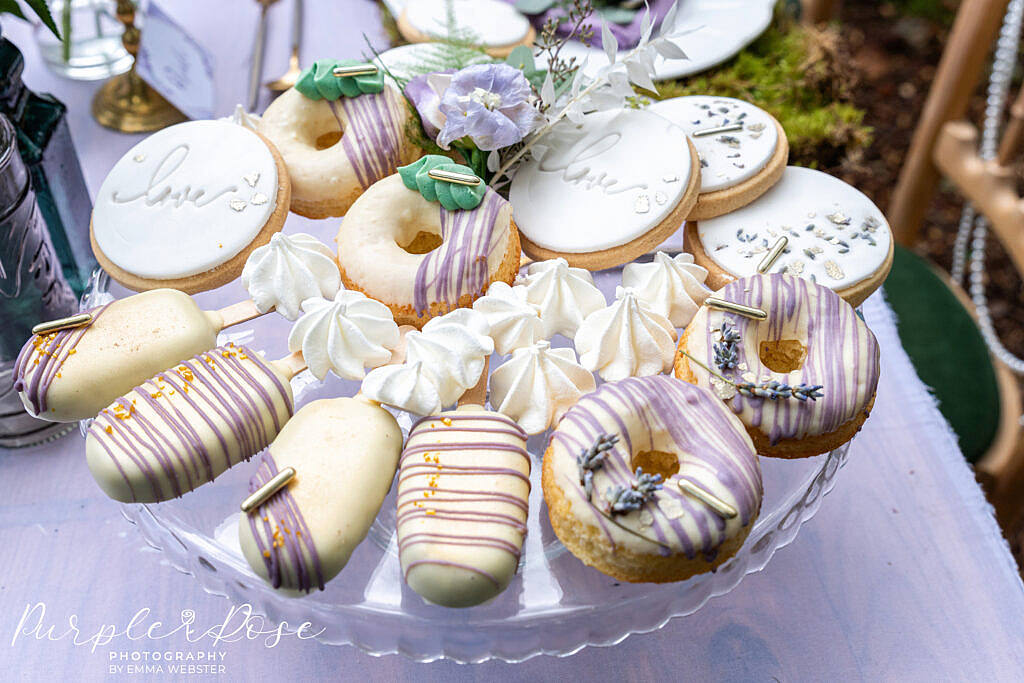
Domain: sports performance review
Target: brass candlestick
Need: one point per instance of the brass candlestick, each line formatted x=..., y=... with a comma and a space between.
x=126, y=102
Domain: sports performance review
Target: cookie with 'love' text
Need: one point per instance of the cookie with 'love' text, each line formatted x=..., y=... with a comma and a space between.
x=184, y=208
x=604, y=191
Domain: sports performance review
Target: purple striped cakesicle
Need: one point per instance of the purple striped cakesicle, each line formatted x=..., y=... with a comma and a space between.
x=75, y=373
x=373, y=127
x=40, y=361
x=188, y=424
x=461, y=264
x=463, y=486
x=667, y=415
x=282, y=536
x=344, y=452
x=839, y=353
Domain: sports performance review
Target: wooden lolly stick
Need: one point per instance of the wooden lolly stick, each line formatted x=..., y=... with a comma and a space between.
x=477, y=394
x=243, y=311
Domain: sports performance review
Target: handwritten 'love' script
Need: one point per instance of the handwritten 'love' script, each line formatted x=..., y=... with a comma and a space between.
x=578, y=166
x=160, y=190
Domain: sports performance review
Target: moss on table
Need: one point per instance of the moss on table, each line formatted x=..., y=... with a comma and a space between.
x=798, y=74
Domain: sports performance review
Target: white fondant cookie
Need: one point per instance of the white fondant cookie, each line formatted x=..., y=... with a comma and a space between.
x=489, y=23
x=186, y=200
x=730, y=157
x=619, y=178
x=837, y=236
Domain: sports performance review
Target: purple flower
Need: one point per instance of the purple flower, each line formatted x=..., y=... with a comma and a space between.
x=425, y=93
x=489, y=103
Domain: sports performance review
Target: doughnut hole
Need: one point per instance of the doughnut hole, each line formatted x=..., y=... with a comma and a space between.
x=424, y=242
x=656, y=462
x=782, y=356
x=328, y=139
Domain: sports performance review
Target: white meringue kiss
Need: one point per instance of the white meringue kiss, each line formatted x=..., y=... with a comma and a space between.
x=287, y=271
x=443, y=360
x=564, y=295
x=672, y=287
x=407, y=386
x=344, y=335
x=626, y=339
x=538, y=384
x=514, y=322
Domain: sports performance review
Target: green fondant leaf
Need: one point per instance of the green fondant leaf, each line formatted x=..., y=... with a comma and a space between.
x=319, y=81
x=451, y=196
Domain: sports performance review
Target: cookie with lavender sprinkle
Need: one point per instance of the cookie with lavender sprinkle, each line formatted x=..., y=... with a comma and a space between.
x=831, y=234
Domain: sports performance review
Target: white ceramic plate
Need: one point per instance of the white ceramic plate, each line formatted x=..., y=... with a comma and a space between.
x=715, y=31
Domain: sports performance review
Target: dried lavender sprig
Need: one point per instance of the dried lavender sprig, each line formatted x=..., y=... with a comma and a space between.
x=622, y=499
x=726, y=353
x=772, y=389
x=591, y=459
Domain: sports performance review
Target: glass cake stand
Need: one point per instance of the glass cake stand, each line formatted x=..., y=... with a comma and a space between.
x=555, y=605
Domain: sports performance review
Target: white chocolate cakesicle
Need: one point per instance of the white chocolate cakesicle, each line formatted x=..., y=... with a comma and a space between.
x=463, y=485
x=188, y=424
x=73, y=374
x=344, y=452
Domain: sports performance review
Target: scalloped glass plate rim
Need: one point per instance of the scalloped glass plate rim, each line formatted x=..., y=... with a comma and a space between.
x=157, y=534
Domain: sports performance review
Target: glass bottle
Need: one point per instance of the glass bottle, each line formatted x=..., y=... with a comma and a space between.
x=44, y=141
x=32, y=288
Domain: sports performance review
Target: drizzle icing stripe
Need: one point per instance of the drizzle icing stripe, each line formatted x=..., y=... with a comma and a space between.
x=282, y=536
x=230, y=384
x=40, y=360
x=371, y=140
x=460, y=265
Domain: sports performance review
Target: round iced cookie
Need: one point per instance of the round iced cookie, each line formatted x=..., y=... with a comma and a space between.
x=742, y=148
x=837, y=236
x=651, y=479
x=607, y=190
x=802, y=381
x=496, y=26
x=184, y=208
x=421, y=259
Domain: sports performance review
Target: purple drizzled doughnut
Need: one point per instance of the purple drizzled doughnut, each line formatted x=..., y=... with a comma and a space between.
x=662, y=423
x=811, y=337
x=459, y=265
x=463, y=485
x=383, y=251
x=186, y=425
x=335, y=149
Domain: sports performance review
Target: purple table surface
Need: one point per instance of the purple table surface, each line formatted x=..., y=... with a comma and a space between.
x=903, y=574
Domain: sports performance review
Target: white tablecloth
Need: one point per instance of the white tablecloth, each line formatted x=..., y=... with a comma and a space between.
x=902, y=575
